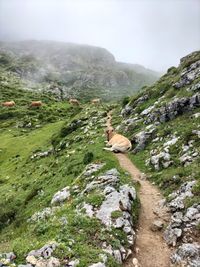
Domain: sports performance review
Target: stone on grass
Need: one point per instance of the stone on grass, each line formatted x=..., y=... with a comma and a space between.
x=61, y=196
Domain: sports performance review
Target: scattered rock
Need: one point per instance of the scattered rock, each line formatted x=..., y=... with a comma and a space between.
x=116, y=201
x=135, y=262
x=73, y=263
x=173, y=109
x=44, y=252
x=188, y=75
x=187, y=255
x=157, y=225
x=88, y=209
x=161, y=160
x=44, y=154
x=99, y=264
x=61, y=196
x=42, y=215
x=110, y=178
x=142, y=138
x=171, y=235
x=126, y=111
x=177, y=202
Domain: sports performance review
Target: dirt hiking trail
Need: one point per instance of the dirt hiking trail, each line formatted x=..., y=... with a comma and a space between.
x=150, y=249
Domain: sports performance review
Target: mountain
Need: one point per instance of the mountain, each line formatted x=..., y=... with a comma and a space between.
x=67, y=202
x=163, y=123
x=68, y=69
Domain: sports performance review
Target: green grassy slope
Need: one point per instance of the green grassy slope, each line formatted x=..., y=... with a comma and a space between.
x=181, y=125
x=28, y=185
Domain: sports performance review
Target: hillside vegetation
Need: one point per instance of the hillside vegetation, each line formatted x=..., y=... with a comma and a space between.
x=64, y=200
x=163, y=123
x=54, y=178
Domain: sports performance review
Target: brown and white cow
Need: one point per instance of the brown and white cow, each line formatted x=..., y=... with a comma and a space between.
x=96, y=101
x=117, y=142
x=74, y=101
x=8, y=104
x=36, y=104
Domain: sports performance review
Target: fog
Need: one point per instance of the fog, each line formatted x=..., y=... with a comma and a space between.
x=154, y=33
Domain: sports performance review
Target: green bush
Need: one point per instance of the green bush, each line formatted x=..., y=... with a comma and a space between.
x=88, y=157
x=125, y=101
x=73, y=126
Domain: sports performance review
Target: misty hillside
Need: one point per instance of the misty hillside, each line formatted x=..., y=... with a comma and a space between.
x=75, y=70
x=68, y=202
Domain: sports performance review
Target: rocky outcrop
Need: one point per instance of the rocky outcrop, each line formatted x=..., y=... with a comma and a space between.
x=187, y=255
x=182, y=226
x=110, y=178
x=92, y=168
x=142, y=138
x=6, y=259
x=44, y=251
x=188, y=75
x=115, y=210
x=174, y=108
x=126, y=111
x=178, y=197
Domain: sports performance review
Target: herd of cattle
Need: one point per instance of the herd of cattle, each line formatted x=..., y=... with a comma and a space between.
x=72, y=101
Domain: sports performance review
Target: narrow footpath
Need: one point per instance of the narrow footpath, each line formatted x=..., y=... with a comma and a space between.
x=150, y=249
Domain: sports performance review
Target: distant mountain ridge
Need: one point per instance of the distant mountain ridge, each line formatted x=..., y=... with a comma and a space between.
x=76, y=70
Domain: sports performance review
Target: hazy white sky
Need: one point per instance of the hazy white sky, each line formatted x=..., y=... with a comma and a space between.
x=154, y=33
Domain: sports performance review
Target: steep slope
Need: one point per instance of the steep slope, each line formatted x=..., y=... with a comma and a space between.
x=72, y=70
x=162, y=122
x=64, y=200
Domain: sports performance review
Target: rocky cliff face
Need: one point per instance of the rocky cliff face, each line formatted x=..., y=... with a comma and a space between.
x=163, y=123
x=72, y=70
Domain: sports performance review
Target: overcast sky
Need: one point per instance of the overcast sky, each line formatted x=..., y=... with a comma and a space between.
x=154, y=33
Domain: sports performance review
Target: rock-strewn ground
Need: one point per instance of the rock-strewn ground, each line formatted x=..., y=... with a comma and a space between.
x=163, y=123
x=77, y=206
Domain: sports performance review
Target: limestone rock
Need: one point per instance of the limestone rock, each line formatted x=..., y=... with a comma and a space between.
x=188, y=254
x=142, y=138
x=92, y=168
x=99, y=264
x=171, y=235
x=110, y=178
x=88, y=209
x=126, y=111
x=177, y=202
x=44, y=252
x=157, y=225
x=73, y=263
x=116, y=201
x=61, y=196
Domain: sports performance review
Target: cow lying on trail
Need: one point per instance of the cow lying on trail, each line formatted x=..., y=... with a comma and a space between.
x=74, y=101
x=96, y=101
x=117, y=142
x=8, y=104
x=36, y=104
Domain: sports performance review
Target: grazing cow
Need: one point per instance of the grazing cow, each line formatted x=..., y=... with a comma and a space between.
x=8, y=104
x=96, y=101
x=74, y=102
x=117, y=142
x=36, y=104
